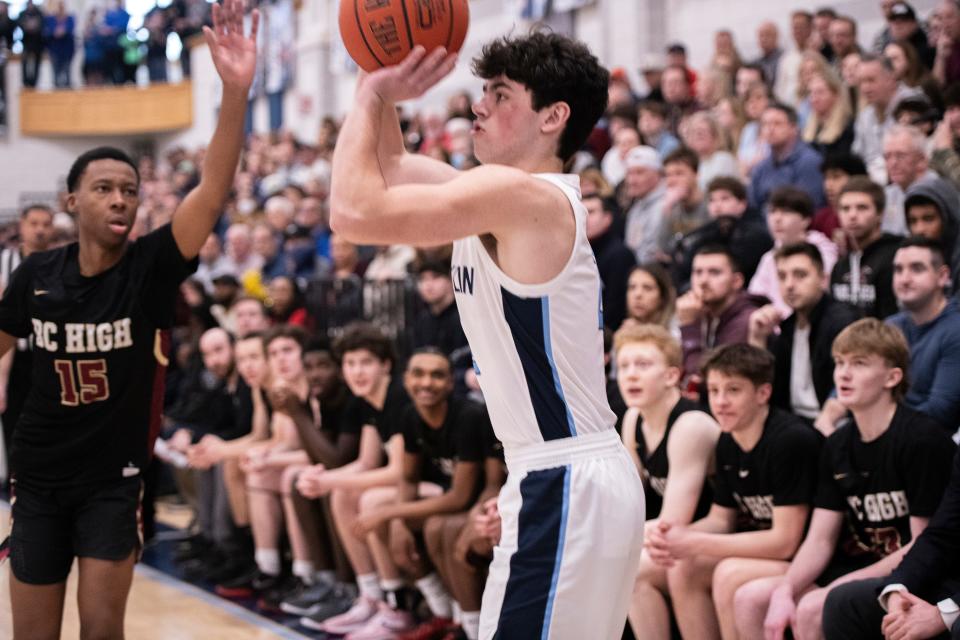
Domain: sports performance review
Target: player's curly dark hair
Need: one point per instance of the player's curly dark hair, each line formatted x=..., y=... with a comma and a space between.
x=554, y=68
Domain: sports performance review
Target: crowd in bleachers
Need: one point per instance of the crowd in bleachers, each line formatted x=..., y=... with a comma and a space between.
x=778, y=245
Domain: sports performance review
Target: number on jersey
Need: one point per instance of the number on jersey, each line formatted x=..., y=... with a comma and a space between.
x=82, y=382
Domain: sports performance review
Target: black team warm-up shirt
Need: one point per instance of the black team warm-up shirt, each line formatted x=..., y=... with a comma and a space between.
x=93, y=406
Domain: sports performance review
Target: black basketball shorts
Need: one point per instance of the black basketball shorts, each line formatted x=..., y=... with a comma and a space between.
x=52, y=526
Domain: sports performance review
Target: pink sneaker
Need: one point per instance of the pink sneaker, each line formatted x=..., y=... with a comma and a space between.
x=386, y=625
x=356, y=617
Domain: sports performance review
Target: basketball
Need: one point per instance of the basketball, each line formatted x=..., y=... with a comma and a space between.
x=380, y=33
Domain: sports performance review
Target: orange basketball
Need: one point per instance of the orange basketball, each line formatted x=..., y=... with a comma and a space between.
x=379, y=33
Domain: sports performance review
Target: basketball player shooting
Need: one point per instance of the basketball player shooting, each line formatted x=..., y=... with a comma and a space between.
x=95, y=311
x=528, y=292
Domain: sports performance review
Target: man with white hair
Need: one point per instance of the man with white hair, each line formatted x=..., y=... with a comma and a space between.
x=644, y=186
x=240, y=257
x=279, y=211
x=768, y=39
x=905, y=156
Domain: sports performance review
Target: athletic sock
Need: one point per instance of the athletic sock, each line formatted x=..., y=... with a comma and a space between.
x=439, y=601
x=304, y=570
x=470, y=621
x=369, y=585
x=268, y=561
x=325, y=575
x=457, y=612
x=391, y=592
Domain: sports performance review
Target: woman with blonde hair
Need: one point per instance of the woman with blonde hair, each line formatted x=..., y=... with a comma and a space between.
x=830, y=126
x=712, y=86
x=731, y=118
x=811, y=63
x=725, y=55
x=701, y=132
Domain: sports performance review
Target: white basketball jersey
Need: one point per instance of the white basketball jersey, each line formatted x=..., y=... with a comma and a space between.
x=537, y=349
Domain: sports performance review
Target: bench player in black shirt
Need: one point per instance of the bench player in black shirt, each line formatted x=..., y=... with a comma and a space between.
x=672, y=441
x=881, y=478
x=766, y=476
x=95, y=309
x=444, y=442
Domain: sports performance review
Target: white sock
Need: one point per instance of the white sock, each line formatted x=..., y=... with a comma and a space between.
x=470, y=621
x=268, y=561
x=438, y=599
x=457, y=612
x=369, y=585
x=325, y=576
x=304, y=570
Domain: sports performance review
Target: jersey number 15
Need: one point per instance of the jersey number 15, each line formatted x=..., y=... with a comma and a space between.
x=87, y=385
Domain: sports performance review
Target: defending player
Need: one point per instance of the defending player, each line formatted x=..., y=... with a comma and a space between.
x=529, y=297
x=95, y=310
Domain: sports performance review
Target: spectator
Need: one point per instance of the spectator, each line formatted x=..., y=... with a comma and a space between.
x=651, y=68
x=684, y=204
x=945, y=158
x=653, y=128
x=712, y=86
x=786, y=85
x=836, y=169
x=701, y=133
x=58, y=35
x=946, y=66
x=725, y=54
x=7, y=27
x=211, y=260
x=644, y=188
x=30, y=22
x=279, y=57
x=94, y=50
x=803, y=377
x=766, y=462
x=768, y=37
x=791, y=161
x=933, y=211
x=829, y=128
x=114, y=25
x=716, y=310
x=910, y=70
x=158, y=27
x=677, y=57
x=592, y=182
x=287, y=303
x=747, y=76
x=651, y=298
x=931, y=323
x=789, y=214
x=903, y=27
x=248, y=317
x=881, y=93
x=811, y=64
x=438, y=325
x=614, y=259
x=904, y=152
x=851, y=535
x=842, y=38
x=240, y=257
x=732, y=118
x=731, y=225
x=344, y=258
x=266, y=247
x=612, y=165
x=753, y=149
x=864, y=276
x=678, y=94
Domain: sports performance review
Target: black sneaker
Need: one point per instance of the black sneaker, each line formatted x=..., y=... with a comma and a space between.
x=336, y=603
x=246, y=585
x=307, y=600
x=270, y=598
x=193, y=547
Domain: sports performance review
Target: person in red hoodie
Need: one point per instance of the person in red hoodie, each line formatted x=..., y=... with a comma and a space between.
x=715, y=311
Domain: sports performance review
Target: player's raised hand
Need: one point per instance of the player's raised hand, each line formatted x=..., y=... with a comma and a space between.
x=413, y=76
x=234, y=54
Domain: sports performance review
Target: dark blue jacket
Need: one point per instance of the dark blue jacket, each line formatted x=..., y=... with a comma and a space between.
x=801, y=169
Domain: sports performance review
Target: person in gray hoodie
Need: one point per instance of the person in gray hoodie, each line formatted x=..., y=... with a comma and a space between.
x=932, y=210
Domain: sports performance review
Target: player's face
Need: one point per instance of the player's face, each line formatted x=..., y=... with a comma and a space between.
x=643, y=374
x=916, y=282
x=862, y=379
x=251, y=361
x=106, y=201
x=217, y=353
x=924, y=220
x=428, y=380
x=714, y=278
x=801, y=283
x=506, y=127
x=734, y=400
x=321, y=371
x=643, y=296
x=859, y=216
x=787, y=227
x=284, y=356
x=36, y=229
x=363, y=371
x=248, y=316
